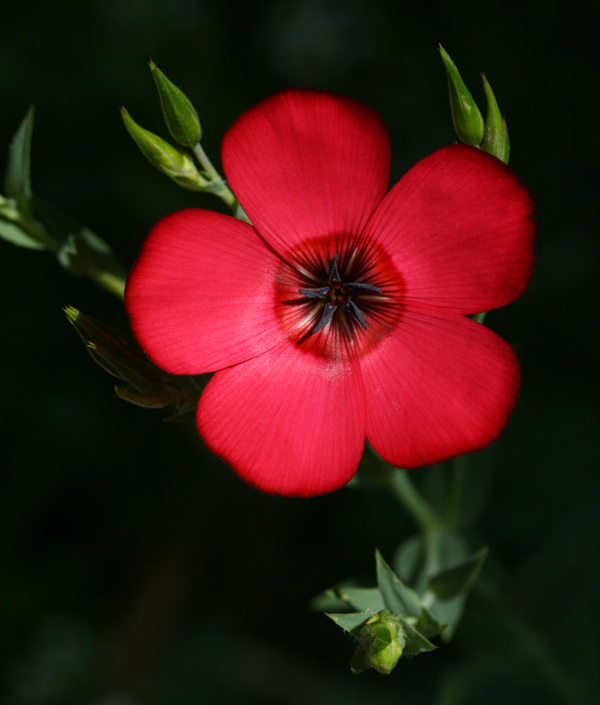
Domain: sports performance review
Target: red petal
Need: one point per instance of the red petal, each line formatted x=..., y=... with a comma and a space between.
x=441, y=386
x=460, y=228
x=287, y=422
x=307, y=163
x=200, y=296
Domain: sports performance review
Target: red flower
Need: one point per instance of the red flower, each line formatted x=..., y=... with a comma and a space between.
x=341, y=313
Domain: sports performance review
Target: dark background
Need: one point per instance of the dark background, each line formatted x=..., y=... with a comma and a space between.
x=134, y=568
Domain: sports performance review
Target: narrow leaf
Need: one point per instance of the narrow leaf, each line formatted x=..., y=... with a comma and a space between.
x=456, y=580
x=351, y=622
x=428, y=624
x=416, y=643
x=398, y=598
x=362, y=598
x=13, y=233
x=17, y=180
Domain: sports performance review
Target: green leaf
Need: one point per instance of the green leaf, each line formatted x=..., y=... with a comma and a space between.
x=352, y=622
x=398, y=598
x=416, y=643
x=408, y=558
x=328, y=601
x=17, y=181
x=450, y=612
x=428, y=624
x=456, y=580
x=13, y=233
x=83, y=253
x=362, y=598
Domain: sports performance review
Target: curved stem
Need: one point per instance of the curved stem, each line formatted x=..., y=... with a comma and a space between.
x=219, y=187
x=454, y=492
x=112, y=283
x=413, y=501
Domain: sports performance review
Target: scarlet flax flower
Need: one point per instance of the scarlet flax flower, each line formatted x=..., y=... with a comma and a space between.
x=341, y=313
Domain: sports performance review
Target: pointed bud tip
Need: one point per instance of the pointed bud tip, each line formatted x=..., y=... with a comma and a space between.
x=467, y=119
x=72, y=314
x=176, y=164
x=180, y=115
x=495, y=135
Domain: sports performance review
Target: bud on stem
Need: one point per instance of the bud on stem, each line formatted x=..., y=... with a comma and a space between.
x=381, y=643
x=175, y=164
x=180, y=115
x=466, y=117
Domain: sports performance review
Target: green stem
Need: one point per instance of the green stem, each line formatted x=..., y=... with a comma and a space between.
x=454, y=491
x=112, y=283
x=219, y=187
x=412, y=500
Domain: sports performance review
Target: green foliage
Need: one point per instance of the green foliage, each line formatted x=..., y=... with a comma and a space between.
x=26, y=221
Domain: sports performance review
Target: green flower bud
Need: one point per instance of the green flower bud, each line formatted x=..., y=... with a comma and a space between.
x=121, y=357
x=495, y=134
x=114, y=351
x=382, y=641
x=180, y=115
x=166, y=158
x=468, y=121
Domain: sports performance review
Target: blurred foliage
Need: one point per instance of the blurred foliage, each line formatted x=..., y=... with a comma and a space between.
x=136, y=568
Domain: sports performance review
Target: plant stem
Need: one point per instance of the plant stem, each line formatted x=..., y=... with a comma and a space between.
x=113, y=284
x=454, y=491
x=412, y=500
x=219, y=186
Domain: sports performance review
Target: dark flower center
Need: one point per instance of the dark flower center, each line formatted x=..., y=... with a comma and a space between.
x=340, y=294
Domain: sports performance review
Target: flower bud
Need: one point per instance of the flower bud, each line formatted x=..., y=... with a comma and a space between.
x=180, y=115
x=382, y=640
x=120, y=356
x=114, y=351
x=166, y=158
x=468, y=121
x=495, y=134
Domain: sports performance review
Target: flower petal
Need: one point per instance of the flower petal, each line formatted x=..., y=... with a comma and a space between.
x=307, y=163
x=442, y=385
x=460, y=228
x=200, y=296
x=288, y=422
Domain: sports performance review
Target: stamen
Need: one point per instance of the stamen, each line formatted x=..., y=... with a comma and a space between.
x=328, y=312
x=365, y=287
x=353, y=308
x=334, y=275
x=319, y=293
x=338, y=293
